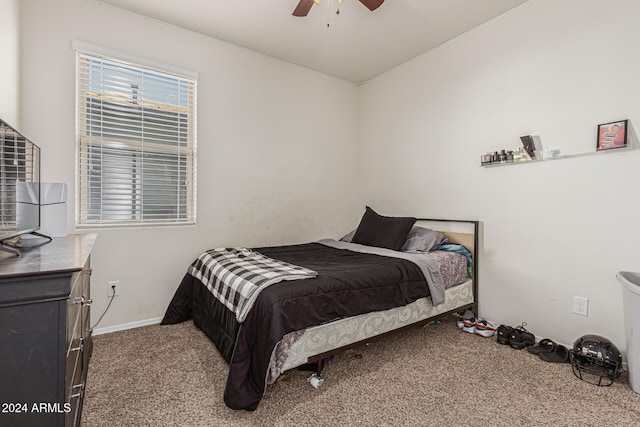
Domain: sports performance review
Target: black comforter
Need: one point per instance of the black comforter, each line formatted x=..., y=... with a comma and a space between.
x=348, y=284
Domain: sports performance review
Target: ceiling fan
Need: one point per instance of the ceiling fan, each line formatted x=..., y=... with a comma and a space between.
x=304, y=6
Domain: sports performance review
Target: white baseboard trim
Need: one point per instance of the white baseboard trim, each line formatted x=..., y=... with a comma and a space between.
x=125, y=326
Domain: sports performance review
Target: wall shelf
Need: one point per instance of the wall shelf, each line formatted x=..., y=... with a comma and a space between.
x=559, y=157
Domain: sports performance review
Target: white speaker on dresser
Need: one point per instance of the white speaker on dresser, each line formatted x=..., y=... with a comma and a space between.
x=53, y=209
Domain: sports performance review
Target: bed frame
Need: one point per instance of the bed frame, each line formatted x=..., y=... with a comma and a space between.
x=469, y=239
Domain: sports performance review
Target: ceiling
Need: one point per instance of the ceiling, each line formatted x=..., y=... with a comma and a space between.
x=357, y=45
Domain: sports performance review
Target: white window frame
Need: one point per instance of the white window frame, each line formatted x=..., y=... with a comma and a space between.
x=161, y=156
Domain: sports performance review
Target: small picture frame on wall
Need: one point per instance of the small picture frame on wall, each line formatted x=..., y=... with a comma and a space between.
x=612, y=135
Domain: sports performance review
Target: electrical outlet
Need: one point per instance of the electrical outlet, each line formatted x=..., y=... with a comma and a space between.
x=113, y=288
x=581, y=306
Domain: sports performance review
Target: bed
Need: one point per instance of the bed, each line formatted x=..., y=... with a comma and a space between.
x=360, y=293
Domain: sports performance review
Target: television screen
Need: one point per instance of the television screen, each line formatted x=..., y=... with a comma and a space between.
x=19, y=183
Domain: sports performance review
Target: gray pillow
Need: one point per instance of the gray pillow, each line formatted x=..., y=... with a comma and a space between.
x=422, y=239
x=348, y=237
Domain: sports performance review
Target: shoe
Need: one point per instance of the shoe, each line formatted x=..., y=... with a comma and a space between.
x=544, y=346
x=560, y=354
x=521, y=338
x=486, y=328
x=465, y=316
x=469, y=325
x=504, y=333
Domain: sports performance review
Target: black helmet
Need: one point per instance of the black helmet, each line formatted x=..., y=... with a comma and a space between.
x=597, y=357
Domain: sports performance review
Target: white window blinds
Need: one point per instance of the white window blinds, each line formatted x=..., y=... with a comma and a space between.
x=136, y=130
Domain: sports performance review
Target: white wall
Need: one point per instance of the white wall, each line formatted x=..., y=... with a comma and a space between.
x=553, y=229
x=9, y=71
x=275, y=146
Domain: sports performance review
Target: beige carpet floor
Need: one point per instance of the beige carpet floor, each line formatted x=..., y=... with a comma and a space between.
x=432, y=376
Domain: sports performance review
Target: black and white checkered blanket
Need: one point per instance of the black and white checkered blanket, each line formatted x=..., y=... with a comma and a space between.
x=235, y=276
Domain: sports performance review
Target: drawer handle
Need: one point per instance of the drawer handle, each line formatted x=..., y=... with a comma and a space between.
x=79, y=348
x=81, y=387
x=81, y=300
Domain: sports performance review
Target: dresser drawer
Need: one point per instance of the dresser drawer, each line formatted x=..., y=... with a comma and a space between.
x=74, y=383
x=74, y=355
x=74, y=309
x=86, y=314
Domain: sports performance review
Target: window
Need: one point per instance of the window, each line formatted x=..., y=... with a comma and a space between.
x=136, y=142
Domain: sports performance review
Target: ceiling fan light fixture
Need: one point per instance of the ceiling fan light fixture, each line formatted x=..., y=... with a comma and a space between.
x=303, y=7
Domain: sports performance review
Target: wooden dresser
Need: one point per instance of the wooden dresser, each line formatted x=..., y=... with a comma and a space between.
x=45, y=332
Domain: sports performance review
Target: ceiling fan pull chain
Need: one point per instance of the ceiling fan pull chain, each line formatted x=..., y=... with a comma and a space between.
x=328, y=13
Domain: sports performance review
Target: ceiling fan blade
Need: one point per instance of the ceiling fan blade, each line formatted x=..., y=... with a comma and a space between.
x=303, y=8
x=372, y=4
